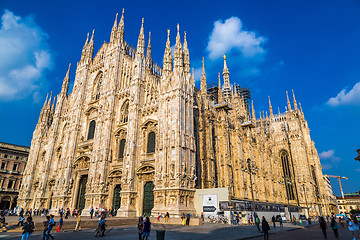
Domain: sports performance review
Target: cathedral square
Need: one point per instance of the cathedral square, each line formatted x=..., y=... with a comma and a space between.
x=141, y=138
x=192, y=120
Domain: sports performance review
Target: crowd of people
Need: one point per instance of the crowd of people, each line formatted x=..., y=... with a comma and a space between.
x=352, y=222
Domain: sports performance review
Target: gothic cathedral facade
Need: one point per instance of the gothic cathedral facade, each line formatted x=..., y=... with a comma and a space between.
x=141, y=138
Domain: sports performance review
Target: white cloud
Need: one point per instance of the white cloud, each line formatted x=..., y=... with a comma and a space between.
x=25, y=57
x=329, y=159
x=229, y=35
x=351, y=97
x=327, y=154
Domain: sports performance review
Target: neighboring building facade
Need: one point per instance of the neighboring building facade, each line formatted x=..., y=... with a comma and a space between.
x=13, y=160
x=139, y=137
x=351, y=201
x=331, y=196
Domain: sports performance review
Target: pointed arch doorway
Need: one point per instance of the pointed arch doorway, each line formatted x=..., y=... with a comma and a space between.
x=117, y=198
x=148, y=199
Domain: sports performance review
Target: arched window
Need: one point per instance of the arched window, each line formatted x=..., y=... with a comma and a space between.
x=124, y=112
x=91, y=130
x=287, y=175
x=151, y=143
x=122, y=148
x=97, y=86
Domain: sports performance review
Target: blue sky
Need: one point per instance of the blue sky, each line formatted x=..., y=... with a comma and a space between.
x=312, y=47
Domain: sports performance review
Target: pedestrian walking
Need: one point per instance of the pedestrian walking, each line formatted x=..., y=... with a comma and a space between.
x=273, y=221
x=188, y=216
x=281, y=222
x=265, y=228
x=50, y=226
x=323, y=226
x=334, y=227
x=45, y=223
x=146, y=228
x=140, y=227
x=294, y=220
x=167, y=215
x=21, y=221
x=183, y=218
x=257, y=223
x=3, y=220
x=249, y=219
x=353, y=225
x=61, y=223
x=78, y=222
x=101, y=227
x=91, y=212
x=28, y=229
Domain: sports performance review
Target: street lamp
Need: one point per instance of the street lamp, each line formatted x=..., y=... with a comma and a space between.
x=287, y=194
x=251, y=168
x=307, y=207
x=317, y=198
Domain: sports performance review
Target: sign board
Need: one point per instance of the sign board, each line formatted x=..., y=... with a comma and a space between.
x=210, y=205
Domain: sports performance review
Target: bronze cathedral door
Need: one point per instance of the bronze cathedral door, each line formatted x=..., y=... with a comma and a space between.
x=81, y=193
x=117, y=199
x=148, y=202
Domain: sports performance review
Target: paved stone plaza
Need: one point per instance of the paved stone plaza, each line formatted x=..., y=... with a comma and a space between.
x=173, y=232
x=206, y=231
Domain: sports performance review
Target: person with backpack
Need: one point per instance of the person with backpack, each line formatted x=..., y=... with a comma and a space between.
x=273, y=221
x=46, y=224
x=323, y=226
x=140, y=227
x=77, y=227
x=21, y=221
x=257, y=223
x=28, y=229
x=265, y=228
x=281, y=221
x=101, y=227
x=334, y=227
x=2, y=220
x=146, y=229
x=61, y=223
x=51, y=224
x=91, y=212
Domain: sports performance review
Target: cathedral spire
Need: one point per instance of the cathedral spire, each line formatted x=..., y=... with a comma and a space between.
x=92, y=37
x=46, y=100
x=227, y=88
x=53, y=105
x=203, y=86
x=186, y=56
x=270, y=109
x=226, y=74
x=193, y=77
x=253, y=111
x=49, y=102
x=295, y=104
x=87, y=40
x=167, y=62
x=288, y=101
x=113, y=30
x=178, y=54
x=300, y=108
x=65, y=85
x=220, y=93
x=141, y=40
x=148, y=51
x=121, y=27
